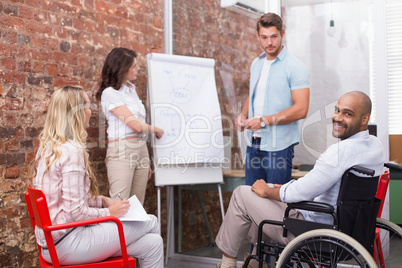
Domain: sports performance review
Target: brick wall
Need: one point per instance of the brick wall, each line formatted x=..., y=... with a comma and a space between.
x=45, y=45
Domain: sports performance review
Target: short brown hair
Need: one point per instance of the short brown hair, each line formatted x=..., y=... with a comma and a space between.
x=269, y=20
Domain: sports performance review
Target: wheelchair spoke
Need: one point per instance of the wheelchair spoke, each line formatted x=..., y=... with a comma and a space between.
x=387, y=247
x=319, y=249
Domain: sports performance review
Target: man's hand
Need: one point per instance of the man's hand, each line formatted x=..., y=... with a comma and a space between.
x=253, y=123
x=240, y=122
x=260, y=187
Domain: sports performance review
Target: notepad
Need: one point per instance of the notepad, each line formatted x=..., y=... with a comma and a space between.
x=136, y=212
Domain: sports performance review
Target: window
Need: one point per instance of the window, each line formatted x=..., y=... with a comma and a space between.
x=394, y=64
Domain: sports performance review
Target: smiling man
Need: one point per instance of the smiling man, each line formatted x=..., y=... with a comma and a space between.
x=278, y=97
x=251, y=205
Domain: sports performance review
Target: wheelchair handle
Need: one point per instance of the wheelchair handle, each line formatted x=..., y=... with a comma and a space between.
x=393, y=166
x=363, y=170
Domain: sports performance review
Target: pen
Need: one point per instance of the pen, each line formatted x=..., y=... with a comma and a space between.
x=119, y=195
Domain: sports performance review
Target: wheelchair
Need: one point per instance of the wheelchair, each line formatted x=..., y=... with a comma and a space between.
x=348, y=242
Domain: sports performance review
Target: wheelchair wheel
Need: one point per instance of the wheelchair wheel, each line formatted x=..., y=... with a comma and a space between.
x=387, y=253
x=325, y=248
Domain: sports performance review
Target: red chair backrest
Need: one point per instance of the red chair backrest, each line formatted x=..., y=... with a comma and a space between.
x=40, y=211
x=382, y=190
x=39, y=214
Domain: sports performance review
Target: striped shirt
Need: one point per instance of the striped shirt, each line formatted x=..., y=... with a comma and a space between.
x=67, y=190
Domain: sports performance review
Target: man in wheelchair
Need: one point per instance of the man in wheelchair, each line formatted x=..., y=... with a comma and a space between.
x=249, y=206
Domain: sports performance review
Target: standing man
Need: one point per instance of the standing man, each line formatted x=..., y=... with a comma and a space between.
x=279, y=97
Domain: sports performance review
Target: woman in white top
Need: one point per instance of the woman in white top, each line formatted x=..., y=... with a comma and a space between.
x=127, y=159
x=63, y=172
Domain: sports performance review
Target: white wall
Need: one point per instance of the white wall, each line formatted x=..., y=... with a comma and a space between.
x=337, y=64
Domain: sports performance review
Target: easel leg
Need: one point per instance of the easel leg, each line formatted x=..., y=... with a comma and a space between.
x=170, y=222
x=221, y=201
x=204, y=214
x=158, y=194
x=179, y=231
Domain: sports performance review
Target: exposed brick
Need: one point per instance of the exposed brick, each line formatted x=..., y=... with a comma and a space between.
x=98, y=154
x=41, y=16
x=37, y=28
x=65, y=81
x=36, y=105
x=39, y=54
x=37, y=67
x=12, y=159
x=12, y=172
x=13, y=104
x=12, y=145
x=31, y=132
x=9, y=63
x=62, y=8
x=31, y=157
x=12, y=22
x=24, y=66
x=23, y=39
x=51, y=69
x=26, y=118
x=40, y=4
x=86, y=14
x=26, y=144
x=65, y=58
x=25, y=171
x=11, y=10
x=11, y=132
x=26, y=13
x=65, y=46
x=33, y=80
x=36, y=143
x=10, y=37
x=51, y=44
x=104, y=7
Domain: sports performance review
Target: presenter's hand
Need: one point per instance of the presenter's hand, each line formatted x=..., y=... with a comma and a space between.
x=119, y=208
x=239, y=123
x=158, y=132
x=253, y=123
x=149, y=173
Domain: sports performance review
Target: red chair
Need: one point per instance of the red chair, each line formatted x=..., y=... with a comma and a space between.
x=39, y=214
x=381, y=192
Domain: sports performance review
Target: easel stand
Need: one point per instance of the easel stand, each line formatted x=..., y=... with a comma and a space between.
x=197, y=177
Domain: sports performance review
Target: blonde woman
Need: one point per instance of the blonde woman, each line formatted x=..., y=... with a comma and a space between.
x=64, y=174
x=127, y=160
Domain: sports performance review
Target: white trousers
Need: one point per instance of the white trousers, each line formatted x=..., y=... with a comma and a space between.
x=97, y=242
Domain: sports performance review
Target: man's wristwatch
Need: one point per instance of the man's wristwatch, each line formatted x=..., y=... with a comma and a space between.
x=262, y=123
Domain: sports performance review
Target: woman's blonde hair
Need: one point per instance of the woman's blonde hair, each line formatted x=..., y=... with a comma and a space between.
x=65, y=121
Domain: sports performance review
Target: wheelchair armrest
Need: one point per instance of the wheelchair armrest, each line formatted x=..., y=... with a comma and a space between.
x=297, y=226
x=311, y=206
